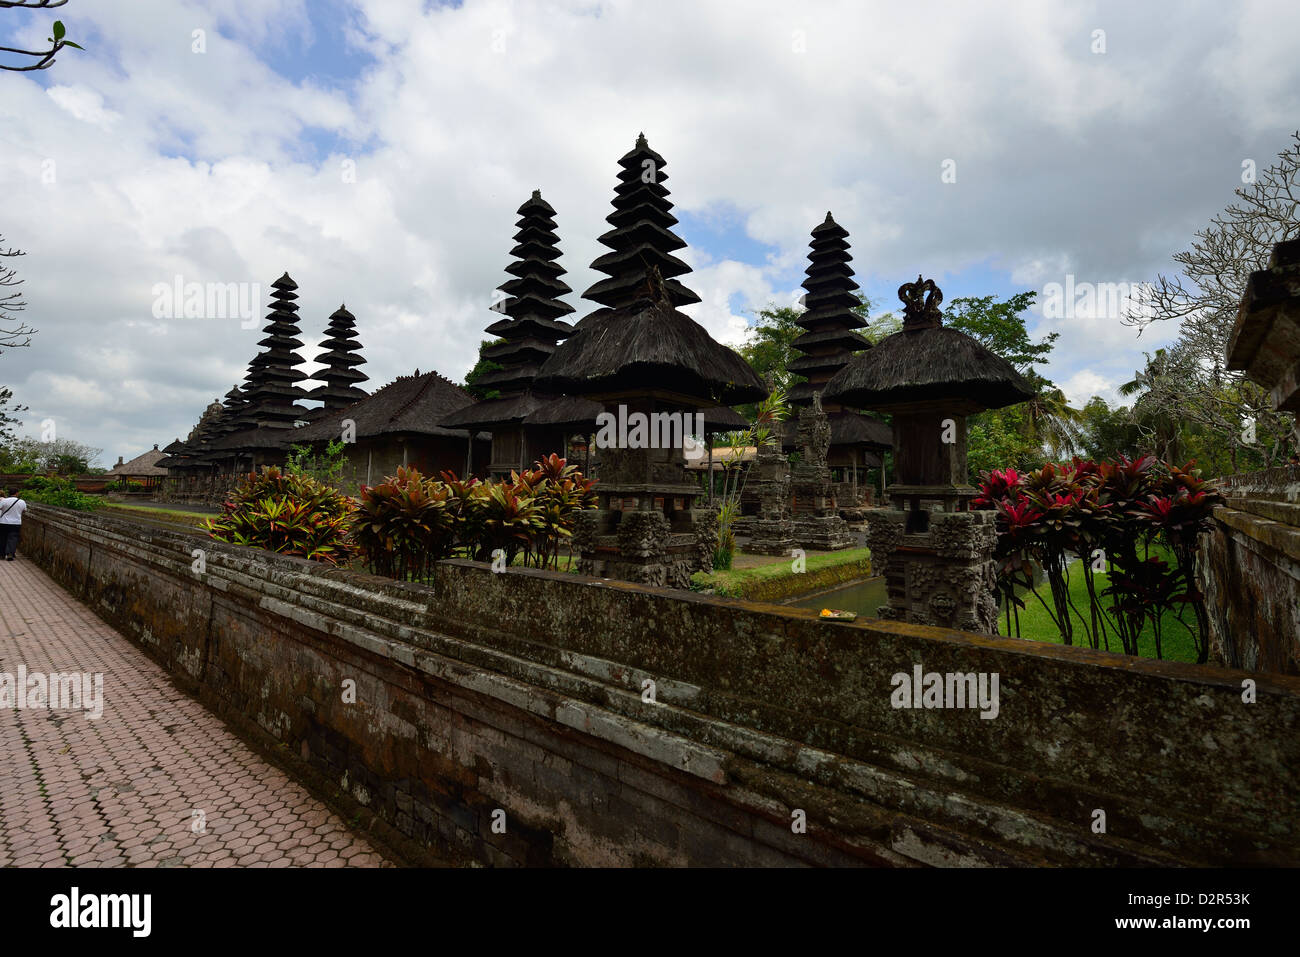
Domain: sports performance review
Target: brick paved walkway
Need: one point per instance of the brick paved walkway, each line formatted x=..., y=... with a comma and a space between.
x=123, y=790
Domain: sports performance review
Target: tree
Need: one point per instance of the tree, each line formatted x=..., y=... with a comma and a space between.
x=1000, y=328
x=61, y=456
x=1191, y=386
x=7, y=416
x=767, y=343
x=886, y=324
x=481, y=368
x=14, y=333
x=43, y=58
x=1046, y=423
x=1107, y=433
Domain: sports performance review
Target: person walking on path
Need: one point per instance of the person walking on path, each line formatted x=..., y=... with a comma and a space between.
x=11, y=523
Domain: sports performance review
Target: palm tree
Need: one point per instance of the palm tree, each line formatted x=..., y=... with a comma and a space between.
x=1151, y=414
x=1051, y=421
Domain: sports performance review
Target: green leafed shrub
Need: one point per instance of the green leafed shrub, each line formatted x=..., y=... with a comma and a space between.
x=405, y=524
x=124, y=485
x=409, y=522
x=1107, y=518
x=288, y=514
x=57, y=491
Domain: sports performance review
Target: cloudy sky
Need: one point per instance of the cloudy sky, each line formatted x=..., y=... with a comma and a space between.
x=377, y=150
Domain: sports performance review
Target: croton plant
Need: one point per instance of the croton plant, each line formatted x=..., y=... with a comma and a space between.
x=1089, y=517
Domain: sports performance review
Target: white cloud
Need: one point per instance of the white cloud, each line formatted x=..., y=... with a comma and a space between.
x=85, y=104
x=169, y=162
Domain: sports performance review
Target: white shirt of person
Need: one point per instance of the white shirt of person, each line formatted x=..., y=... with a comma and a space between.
x=13, y=508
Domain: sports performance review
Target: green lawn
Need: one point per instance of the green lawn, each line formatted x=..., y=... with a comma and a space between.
x=172, y=515
x=776, y=578
x=1036, y=623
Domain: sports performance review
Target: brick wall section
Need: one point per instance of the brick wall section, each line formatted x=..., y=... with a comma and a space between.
x=521, y=692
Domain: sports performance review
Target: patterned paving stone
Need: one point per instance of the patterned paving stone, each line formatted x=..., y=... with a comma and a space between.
x=123, y=790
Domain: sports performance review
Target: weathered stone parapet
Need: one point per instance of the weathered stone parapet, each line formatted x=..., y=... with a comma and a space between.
x=1250, y=572
x=524, y=691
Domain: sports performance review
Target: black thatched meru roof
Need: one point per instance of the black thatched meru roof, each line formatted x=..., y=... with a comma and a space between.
x=927, y=363
x=830, y=341
x=639, y=342
x=648, y=346
x=642, y=236
x=532, y=307
x=273, y=389
x=414, y=405
x=341, y=354
x=530, y=329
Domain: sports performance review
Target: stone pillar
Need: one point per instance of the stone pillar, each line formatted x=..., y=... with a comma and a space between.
x=817, y=521
x=646, y=527
x=944, y=576
x=772, y=531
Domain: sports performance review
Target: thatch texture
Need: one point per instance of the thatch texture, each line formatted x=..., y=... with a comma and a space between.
x=412, y=405
x=273, y=391
x=145, y=464
x=926, y=365
x=341, y=354
x=569, y=412
x=831, y=338
x=642, y=238
x=648, y=346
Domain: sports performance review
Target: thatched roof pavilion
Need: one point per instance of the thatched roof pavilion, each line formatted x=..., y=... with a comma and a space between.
x=648, y=348
x=527, y=423
x=925, y=362
x=931, y=378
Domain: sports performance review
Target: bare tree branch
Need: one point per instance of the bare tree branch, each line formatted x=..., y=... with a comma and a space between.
x=11, y=303
x=1189, y=383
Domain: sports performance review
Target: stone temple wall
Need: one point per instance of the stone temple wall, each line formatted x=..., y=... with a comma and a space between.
x=607, y=722
x=1251, y=573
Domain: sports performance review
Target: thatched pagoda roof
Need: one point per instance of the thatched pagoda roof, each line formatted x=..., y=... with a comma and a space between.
x=648, y=346
x=926, y=363
x=831, y=337
x=568, y=412
x=847, y=428
x=642, y=238
x=340, y=353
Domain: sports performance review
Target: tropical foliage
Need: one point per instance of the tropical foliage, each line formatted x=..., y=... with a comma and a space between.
x=58, y=491
x=1119, y=517
x=409, y=522
x=324, y=466
x=289, y=514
